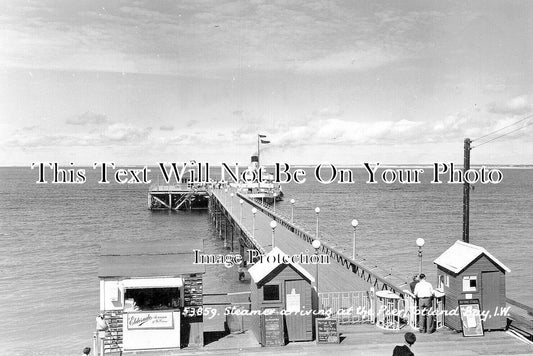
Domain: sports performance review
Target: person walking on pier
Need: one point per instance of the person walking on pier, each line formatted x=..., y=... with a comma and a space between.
x=424, y=292
x=415, y=281
x=405, y=350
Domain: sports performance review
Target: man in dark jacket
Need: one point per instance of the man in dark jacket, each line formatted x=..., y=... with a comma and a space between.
x=413, y=283
x=405, y=350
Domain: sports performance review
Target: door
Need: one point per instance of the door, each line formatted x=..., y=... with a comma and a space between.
x=298, y=300
x=490, y=299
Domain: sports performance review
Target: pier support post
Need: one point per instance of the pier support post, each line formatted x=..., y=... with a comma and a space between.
x=231, y=238
x=226, y=233
x=220, y=224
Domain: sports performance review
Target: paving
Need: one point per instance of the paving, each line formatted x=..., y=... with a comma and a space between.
x=363, y=340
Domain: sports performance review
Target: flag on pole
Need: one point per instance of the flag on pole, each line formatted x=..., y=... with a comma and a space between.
x=262, y=136
x=265, y=141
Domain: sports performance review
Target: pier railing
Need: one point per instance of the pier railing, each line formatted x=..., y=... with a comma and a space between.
x=521, y=318
x=358, y=267
x=249, y=236
x=347, y=307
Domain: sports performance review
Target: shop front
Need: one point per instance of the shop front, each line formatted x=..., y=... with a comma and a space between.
x=143, y=290
x=151, y=316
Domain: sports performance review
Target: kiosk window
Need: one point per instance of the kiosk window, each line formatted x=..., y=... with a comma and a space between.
x=440, y=283
x=271, y=292
x=469, y=283
x=153, y=298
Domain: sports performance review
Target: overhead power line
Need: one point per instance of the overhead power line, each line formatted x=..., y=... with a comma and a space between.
x=505, y=134
x=503, y=128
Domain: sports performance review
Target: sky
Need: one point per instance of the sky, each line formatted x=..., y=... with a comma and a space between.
x=141, y=82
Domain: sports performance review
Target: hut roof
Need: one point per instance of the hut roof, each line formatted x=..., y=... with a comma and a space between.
x=262, y=269
x=461, y=254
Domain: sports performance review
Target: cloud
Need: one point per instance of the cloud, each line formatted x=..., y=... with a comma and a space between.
x=116, y=134
x=352, y=60
x=519, y=105
x=195, y=37
x=166, y=128
x=328, y=112
x=341, y=131
x=191, y=123
x=88, y=118
x=121, y=132
x=30, y=128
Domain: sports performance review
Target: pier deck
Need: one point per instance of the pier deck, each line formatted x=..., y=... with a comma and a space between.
x=366, y=340
x=333, y=277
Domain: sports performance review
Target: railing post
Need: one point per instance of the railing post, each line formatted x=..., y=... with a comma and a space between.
x=372, y=305
x=95, y=345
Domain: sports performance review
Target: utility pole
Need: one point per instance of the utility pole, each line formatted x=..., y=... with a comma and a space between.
x=466, y=193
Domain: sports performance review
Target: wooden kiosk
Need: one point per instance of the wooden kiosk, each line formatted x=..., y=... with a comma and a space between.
x=280, y=287
x=144, y=287
x=469, y=272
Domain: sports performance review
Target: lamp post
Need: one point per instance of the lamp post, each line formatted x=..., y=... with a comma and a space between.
x=241, y=202
x=273, y=225
x=225, y=196
x=317, y=211
x=316, y=245
x=292, y=210
x=420, y=242
x=354, y=225
x=231, y=202
x=254, y=211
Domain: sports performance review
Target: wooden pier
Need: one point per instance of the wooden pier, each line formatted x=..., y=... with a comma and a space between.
x=232, y=214
x=183, y=196
x=239, y=224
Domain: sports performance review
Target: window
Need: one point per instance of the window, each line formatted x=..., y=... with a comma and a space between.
x=440, y=283
x=271, y=292
x=469, y=283
x=447, y=281
x=152, y=298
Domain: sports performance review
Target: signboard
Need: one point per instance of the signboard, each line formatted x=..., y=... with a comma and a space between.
x=293, y=302
x=150, y=320
x=327, y=331
x=470, y=317
x=272, y=330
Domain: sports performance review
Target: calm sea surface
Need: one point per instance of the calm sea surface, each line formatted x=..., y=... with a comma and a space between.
x=50, y=237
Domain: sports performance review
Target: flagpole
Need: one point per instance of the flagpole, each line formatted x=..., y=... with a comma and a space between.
x=258, y=162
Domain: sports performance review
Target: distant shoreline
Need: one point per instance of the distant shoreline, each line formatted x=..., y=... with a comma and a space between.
x=360, y=166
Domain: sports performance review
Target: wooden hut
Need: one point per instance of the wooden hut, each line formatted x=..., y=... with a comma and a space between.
x=144, y=288
x=282, y=287
x=467, y=271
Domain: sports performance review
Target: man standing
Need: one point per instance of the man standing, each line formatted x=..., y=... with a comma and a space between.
x=414, y=283
x=101, y=327
x=424, y=292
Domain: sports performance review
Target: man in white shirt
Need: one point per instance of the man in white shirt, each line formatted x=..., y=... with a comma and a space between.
x=424, y=292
